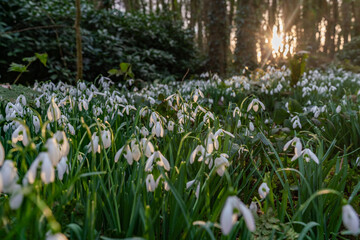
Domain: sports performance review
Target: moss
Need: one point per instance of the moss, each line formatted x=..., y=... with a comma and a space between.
x=12, y=92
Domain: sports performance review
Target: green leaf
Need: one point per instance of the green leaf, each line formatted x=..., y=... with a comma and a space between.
x=29, y=59
x=42, y=57
x=280, y=115
x=15, y=67
x=113, y=71
x=124, y=67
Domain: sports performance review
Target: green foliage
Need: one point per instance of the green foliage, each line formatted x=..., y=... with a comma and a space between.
x=124, y=70
x=351, y=52
x=154, y=45
x=297, y=66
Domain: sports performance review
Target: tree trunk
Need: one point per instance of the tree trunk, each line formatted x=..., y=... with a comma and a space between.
x=247, y=26
x=217, y=40
x=79, y=61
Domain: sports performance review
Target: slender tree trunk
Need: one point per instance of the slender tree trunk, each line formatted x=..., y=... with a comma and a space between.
x=356, y=13
x=217, y=36
x=79, y=61
x=346, y=20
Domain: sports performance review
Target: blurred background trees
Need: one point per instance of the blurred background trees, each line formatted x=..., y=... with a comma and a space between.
x=163, y=38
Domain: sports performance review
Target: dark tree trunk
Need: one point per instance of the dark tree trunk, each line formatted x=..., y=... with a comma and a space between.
x=217, y=39
x=79, y=61
x=247, y=26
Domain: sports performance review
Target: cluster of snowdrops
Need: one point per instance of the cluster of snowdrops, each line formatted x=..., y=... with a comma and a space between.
x=206, y=151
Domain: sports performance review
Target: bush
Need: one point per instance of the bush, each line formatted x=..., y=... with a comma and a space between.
x=155, y=45
x=351, y=52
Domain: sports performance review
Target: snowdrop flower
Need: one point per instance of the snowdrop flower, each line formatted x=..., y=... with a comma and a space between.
x=17, y=197
x=127, y=109
x=47, y=169
x=150, y=183
x=53, y=112
x=228, y=217
x=147, y=147
x=190, y=183
x=296, y=143
x=71, y=129
x=171, y=126
x=236, y=111
x=56, y=236
x=20, y=134
x=163, y=162
x=144, y=131
x=106, y=138
x=54, y=150
x=21, y=98
x=351, y=219
x=221, y=163
x=338, y=109
x=198, y=151
x=222, y=133
x=253, y=207
x=296, y=122
x=94, y=144
x=211, y=143
x=131, y=154
x=158, y=130
x=263, y=190
x=254, y=104
x=2, y=154
x=9, y=176
x=62, y=167
x=307, y=155
x=63, y=143
x=251, y=126
x=36, y=123
x=197, y=93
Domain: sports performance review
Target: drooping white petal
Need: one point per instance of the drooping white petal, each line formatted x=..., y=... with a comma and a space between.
x=350, y=219
x=263, y=190
x=47, y=171
x=16, y=197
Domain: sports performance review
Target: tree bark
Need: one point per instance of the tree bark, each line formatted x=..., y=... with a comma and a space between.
x=79, y=60
x=217, y=36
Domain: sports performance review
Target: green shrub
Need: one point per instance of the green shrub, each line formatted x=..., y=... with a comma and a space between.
x=155, y=45
x=351, y=52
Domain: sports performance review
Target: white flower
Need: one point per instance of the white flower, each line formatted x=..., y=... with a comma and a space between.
x=47, y=169
x=56, y=236
x=221, y=163
x=9, y=176
x=338, y=109
x=2, y=154
x=296, y=122
x=255, y=105
x=251, y=126
x=144, y=131
x=106, y=138
x=150, y=183
x=20, y=134
x=62, y=167
x=171, y=126
x=94, y=144
x=190, y=183
x=296, y=143
x=147, y=147
x=36, y=123
x=307, y=155
x=263, y=190
x=158, y=130
x=131, y=154
x=222, y=133
x=228, y=217
x=53, y=112
x=199, y=149
x=212, y=143
x=236, y=111
x=54, y=150
x=63, y=143
x=163, y=162
x=16, y=197
x=350, y=219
